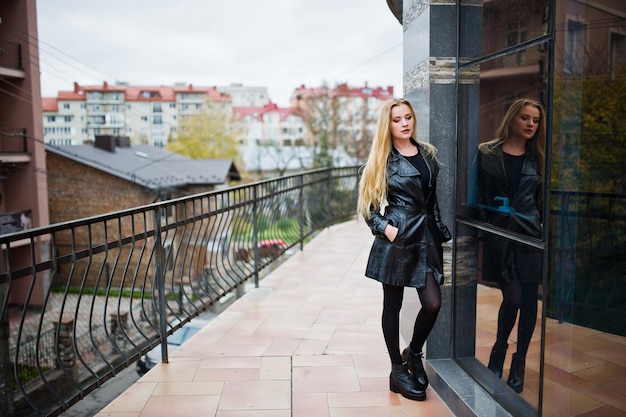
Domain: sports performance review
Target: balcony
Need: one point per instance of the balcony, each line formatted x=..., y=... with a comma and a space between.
x=11, y=60
x=304, y=340
x=13, y=146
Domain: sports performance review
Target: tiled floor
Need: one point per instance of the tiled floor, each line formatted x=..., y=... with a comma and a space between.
x=308, y=343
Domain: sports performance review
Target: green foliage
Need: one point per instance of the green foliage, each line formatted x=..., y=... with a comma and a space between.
x=207, y=135
x=589, y=133
x=588, y=154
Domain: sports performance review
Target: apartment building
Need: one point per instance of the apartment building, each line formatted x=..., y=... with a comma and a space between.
x=270, y=125
x=246, y=96
x=344, y=116
x=23, y=186
x=149, y=115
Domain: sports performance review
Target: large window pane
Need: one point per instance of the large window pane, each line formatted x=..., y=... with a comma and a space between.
x=504, y=24
x=585, y=339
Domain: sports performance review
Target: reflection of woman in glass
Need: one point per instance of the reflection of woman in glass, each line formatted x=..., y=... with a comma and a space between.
x=510, y=173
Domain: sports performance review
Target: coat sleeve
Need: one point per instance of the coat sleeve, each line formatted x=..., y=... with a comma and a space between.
x=444, y=233
x=377, y=222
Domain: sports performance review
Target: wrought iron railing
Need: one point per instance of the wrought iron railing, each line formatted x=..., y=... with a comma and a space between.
x=82, y=300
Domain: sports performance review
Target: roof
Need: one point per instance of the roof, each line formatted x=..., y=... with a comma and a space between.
x=141, y=93
x=151, y=167
x=49, y=104
x=259, y=111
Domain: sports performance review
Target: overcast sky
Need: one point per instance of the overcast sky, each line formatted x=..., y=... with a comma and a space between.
x=278, y=44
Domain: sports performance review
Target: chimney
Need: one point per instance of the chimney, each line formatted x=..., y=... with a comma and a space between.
x=105, y=142
x=122, y=141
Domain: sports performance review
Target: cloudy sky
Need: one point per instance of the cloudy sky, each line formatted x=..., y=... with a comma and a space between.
x=278, y=44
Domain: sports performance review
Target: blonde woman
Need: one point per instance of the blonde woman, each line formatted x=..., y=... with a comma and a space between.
x=397, y=198
x=510, y=188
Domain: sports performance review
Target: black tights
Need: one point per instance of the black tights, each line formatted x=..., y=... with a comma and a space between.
x=522, y=297
x=430, y=298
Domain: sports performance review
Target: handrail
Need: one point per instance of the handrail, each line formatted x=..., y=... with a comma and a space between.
x=84, y=299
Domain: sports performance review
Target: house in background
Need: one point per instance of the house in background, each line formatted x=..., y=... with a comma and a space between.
x=112, y=175
x=147, y=114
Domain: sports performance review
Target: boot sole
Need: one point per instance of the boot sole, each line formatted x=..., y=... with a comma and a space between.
x=405, y=395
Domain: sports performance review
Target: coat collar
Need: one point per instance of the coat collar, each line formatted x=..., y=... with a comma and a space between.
x=399, y=164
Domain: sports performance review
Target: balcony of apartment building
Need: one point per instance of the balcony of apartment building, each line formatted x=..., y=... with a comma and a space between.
x=13, y=146
x=13, y=142
x=11, y=60
x=105, y=98
x=298, y=330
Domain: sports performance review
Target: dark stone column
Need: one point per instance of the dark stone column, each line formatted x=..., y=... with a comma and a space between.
x=430, y=84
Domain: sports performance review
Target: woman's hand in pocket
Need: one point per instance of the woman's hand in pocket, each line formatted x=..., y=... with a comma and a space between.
x=391, y=232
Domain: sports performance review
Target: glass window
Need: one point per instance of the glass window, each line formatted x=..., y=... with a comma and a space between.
x=576, y=311
x=503, y=24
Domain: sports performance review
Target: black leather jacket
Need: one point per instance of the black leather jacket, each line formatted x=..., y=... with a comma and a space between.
x=405, y=261
x=502, y=258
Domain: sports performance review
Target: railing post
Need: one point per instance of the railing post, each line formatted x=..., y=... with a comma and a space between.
x=301, y=210
x=159, y=282
x=255, y=231
x=328, y=195
x=6, y=381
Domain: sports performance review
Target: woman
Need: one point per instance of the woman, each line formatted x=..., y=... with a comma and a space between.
x=400, y=176
x=510, y=178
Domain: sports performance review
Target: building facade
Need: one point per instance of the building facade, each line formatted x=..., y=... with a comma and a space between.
x=23, y=186
x=270, y=125
x=341, y=117
x=464, y=64
x=147, y=114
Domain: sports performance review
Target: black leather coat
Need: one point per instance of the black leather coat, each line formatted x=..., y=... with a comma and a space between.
x=503, y=259
x=404, y=262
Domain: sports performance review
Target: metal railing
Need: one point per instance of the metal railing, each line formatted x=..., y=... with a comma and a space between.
x=82, y=300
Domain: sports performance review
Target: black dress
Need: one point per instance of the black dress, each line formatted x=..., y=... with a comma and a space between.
x=503, y=259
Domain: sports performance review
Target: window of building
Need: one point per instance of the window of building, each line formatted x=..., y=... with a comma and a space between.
x=66, y=106
x=617, y=54
x=51, y=119
x=574, y=47
x=156, y=108
x=67, y=119
x=157, y=120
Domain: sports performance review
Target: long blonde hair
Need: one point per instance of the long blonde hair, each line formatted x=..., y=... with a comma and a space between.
x=373, y=182
x=536, y=146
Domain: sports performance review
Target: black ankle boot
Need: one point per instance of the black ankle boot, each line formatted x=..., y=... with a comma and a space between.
x=401, y=382
x=416, y=367
x=516, y=377
x=496, y=360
